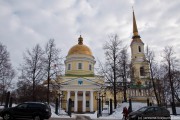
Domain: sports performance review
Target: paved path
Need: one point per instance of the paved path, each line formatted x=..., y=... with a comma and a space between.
x=82, y=117
x=79, y=117
x=53, y=119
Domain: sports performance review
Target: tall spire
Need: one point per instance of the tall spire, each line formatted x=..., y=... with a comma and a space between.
x=135, y=30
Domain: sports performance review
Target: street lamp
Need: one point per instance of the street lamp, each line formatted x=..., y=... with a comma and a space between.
x=102, y=96
x=103, y=89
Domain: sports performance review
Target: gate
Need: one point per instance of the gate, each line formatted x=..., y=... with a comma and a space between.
x=105, y=108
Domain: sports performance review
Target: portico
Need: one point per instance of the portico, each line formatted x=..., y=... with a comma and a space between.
x=85, y=98
x=82, y=96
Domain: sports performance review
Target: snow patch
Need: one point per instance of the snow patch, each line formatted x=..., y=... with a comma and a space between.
x=116, y=115
x=118, y=112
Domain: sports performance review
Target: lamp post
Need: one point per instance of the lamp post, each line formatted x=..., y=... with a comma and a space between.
x=102, y=96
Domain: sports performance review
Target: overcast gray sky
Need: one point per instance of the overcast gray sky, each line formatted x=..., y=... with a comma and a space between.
x=24, y=23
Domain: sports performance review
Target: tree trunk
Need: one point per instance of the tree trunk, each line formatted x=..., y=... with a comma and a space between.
x=124, y=81
x=33, y=94
x=114, y=70
x=49, y=65
x=154, y=87
x=172, y=89
x=2, y=98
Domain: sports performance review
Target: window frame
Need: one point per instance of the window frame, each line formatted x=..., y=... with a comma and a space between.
x=69, y=67
x=78, y=67
x=139, y=49
x=142, y=71
x=87, y=104
x=90, y=67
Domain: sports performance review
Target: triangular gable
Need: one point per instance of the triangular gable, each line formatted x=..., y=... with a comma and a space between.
x=81, y=81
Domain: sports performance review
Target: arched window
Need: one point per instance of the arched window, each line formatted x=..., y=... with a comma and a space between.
x=139, y=47
x=142, y=72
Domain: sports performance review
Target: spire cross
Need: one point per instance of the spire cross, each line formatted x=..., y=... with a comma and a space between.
x=80, y=40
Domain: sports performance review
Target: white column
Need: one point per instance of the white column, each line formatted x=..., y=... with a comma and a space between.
x=91, y=101
x=84, y=101
x=75, y=101
x=68, y=96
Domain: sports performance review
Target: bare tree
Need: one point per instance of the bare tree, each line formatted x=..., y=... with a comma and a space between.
x=176, y=78
x=32, y=68
x=123, y=67
x=111, y=71
x=169, y=63
x=24, y=92
x=153, y=70
x=7, y=73
x=52, y=63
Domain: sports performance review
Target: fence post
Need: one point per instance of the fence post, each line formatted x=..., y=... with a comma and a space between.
x=99, y=107
x=130, y=106
x=69, y=107
x=56, y=106
x=110, y=106
x=147, y=101
x=10, y=102
x=7, y=99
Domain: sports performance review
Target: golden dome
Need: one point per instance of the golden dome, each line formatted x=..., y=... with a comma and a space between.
x=80, y=48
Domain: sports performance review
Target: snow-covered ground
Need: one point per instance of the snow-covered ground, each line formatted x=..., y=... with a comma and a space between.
x=118, y=112
x=175, y=117
x=62, y=113
x=116, y=115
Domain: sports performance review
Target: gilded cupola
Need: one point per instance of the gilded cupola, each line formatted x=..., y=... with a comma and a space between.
x=79, y=60
x=80, y=48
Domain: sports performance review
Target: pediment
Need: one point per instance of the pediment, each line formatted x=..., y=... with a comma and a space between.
x=81, y=82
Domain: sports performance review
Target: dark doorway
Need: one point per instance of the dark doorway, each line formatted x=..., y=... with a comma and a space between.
x=79, y=106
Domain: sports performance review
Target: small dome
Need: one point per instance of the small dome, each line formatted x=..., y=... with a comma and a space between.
x=80, y=48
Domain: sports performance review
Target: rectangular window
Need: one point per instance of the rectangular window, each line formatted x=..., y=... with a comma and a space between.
x=69, y=66
x=79, y=65
x=142, y=71
x=87, y=103
x=90, y=67
x=139, y=48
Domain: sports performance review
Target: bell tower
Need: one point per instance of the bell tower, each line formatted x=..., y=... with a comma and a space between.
x=140, y=66
x=137, y=46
